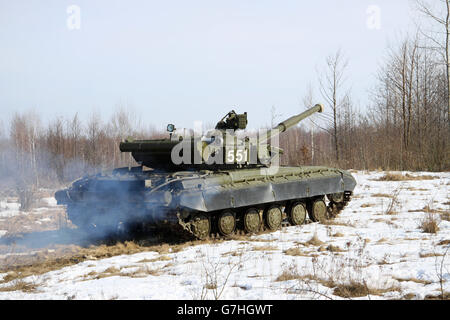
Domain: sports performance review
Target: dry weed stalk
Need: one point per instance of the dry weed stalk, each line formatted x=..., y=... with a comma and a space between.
x=439, y=267
x=393, y=201
x=344, y=275
x=216, y=276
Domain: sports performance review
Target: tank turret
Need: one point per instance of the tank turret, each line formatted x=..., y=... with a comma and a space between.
x=218, y=149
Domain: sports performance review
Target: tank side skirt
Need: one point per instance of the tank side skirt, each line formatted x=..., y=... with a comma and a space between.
x=219, y=198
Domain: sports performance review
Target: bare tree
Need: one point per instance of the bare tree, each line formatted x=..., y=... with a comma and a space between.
x=24, y=132
x=274, y=116
x=439, y=15
x=94, y=129
x=331, y=87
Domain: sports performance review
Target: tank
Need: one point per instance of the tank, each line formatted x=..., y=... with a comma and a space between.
x=217, y=184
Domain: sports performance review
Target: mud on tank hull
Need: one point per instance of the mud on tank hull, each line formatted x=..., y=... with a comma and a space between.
x=201, y=203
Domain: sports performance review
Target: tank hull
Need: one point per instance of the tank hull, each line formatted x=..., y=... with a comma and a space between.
x=130, y=196
x=241, y=188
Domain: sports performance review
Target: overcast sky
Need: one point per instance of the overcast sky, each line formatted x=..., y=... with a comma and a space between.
x=180, y=61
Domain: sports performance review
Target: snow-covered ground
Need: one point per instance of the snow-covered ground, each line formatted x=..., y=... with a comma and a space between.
x=376, y=246
x=45, y=214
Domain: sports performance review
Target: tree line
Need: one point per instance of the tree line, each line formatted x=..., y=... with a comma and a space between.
x=65, y=148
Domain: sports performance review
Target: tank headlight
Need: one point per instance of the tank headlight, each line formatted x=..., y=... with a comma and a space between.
x=170, y=128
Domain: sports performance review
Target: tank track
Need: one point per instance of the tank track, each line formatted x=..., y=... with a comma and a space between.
x=186, y=229
x=334, y=209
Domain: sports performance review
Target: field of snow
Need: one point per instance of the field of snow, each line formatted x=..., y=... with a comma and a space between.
x=375, y=249
x=45, y=215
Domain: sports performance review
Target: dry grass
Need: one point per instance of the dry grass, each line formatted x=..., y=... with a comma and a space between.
x=412, y=239
x=430, y=224
x=431, y=254
x=314, y=241
x=444, y=214
x=333, y=277
x=400, y=177
x=338, y=234
x=160, y=258
x=296, y=252
x=332, y=248
x=423, y=177
x=112, y=270
x=409, y=296
x=237, y=253
x=421, y=281
x=429, y=209
x=351, y=290
x=383, y=262
x=19, y=285
x=140, y=272
x=337, y=223
x=109, y=272
x=345, y=290
x=381, y=195
x=41, y=264
x=416, y=189
x=445, y=296
x=356, y=289
x=264, y=248
x=381, y=291
x=210, y=286
x=287, y=275
x=292, y=274
x=368, y=205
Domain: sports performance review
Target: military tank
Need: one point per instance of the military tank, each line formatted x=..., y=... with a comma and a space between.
x=217, y=184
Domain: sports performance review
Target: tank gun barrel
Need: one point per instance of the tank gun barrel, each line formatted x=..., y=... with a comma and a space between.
x=292, y=121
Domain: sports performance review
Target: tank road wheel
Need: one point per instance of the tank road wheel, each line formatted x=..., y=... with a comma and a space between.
x=318, y=211
x=297, y=213
x=226, y=223
x=336, y=197
x=336, y=205
x=273, y=218
x=252, y=221
x=201, y=226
